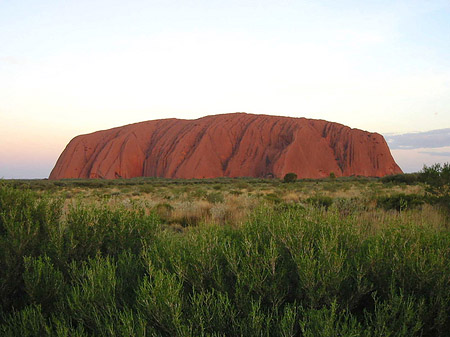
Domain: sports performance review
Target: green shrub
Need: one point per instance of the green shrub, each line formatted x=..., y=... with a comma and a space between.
x=189, y=219
x=110, y=269
x=146, y=188
x=164, y=211
x=329, y=321
x=27, y=224
x=273, y=197
x=29, y=322
x=437, y=179
x=348, y=206
x=403, y=178
x=235, y=192
x=215, y=197
x=44, y=284
x=198, y=193
x=400, y=202
x=92, y=298
x=320, y=201
x=211, y=313
x=159, y=299
x=242, y=185
x=399, y=313
x=290, y=177
x=286, y=207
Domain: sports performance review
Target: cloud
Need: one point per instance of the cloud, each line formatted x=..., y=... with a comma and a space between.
x=11, y=60
x=413, y=160
x=414, y=150
x=437, y=153
x=417, y=140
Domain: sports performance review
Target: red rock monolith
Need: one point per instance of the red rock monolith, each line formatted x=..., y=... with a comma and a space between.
x=228, y=145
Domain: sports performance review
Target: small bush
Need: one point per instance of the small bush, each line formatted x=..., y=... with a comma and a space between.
x=272, y=197
x=320, y=201
x=347, y=206
x=235, y=192
x=437, y=179
x=290, y=177
x=164, y=211
x=146, y=189
x=43, y=283
x=404, y=178
x=287, y=207
x=198, y=193
x=242, y=185
x=215, y=197
x=400, y=202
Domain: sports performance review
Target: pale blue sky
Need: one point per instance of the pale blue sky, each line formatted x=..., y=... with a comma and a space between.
x=72, y=67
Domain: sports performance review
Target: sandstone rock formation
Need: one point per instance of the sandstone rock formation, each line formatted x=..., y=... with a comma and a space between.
x=229, y=145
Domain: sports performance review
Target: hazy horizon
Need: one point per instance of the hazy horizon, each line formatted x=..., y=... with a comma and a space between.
x=411, y=151
x=70, y=68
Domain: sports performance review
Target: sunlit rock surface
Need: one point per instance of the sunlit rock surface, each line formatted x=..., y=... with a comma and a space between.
x=229, y=145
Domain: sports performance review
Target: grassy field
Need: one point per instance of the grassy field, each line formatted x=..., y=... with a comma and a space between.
x=223, y=257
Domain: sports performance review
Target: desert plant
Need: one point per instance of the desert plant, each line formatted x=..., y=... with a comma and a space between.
x=108, y=268
x=43, y=282
x=400, y=201
x=290, y=177
x=320, y=201
x=164, y=211
x=273, y=197
x=215, y=197
x=437, y=179
x=159, y=299
x=403, y=178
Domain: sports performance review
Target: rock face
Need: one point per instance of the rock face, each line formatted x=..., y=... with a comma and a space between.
x=229, y=145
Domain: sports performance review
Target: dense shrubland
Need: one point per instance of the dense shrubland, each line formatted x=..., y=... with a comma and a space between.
x=338, y=257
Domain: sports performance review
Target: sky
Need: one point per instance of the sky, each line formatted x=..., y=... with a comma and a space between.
x=75, y=67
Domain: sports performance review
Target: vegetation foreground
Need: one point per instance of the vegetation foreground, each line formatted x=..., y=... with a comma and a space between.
x=231, y=257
